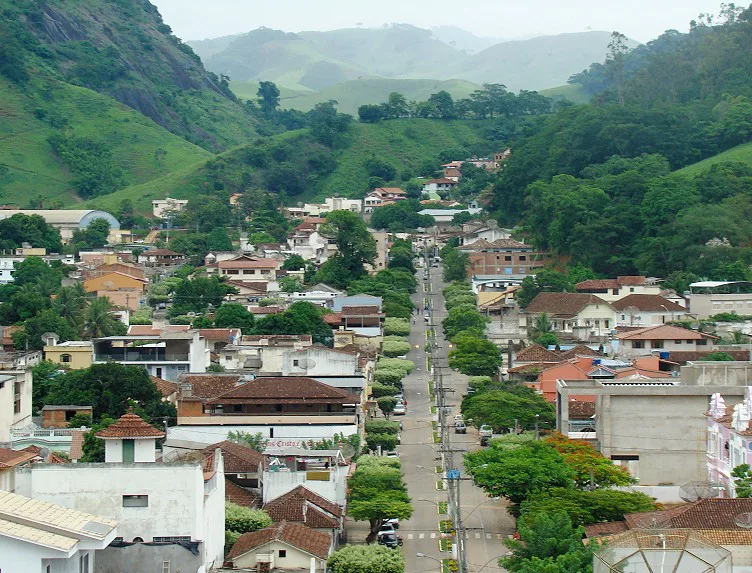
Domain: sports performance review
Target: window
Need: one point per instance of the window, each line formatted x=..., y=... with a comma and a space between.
x=135, y=501
x=158, y=372
x=656, y=344
x=282, y=553
x=165, y=567
x=677, y=341
x=237, y=408
x=48, y=569
x=638, y=344
x=523, y=258
x=507, y=258
x=65, y=358
x=631, y=289
x=702, y=342
x=172, y=539
x=615, y=291
x=17, y=398
x=83, y=564
x=296, y=362
x=607, y=323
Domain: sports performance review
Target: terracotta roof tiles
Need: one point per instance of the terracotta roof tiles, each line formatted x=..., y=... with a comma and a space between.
x=11, y=458
x=303, y=506
x=165, y=387
x=304, y=538
x=241, y=496
x=536, y=353
x=238, y=459
x=562, y=303
x=285, y=389
x=648, y=303
x=130, y=426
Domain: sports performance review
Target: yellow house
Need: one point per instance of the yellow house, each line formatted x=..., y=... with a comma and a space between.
x=114, y=281
x=74, y=354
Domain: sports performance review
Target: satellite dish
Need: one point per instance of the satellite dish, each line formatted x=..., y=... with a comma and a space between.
x=346, y=450
x=744, y=520
x=696, y=490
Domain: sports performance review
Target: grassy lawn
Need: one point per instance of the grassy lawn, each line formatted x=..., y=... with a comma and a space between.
x=740, y=154
x=443, y=507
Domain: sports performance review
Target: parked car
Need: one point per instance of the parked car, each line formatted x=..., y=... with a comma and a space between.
x=459, y=418
x=399, y=410
x=390, y=540
x=460, y=427
x=485, y=431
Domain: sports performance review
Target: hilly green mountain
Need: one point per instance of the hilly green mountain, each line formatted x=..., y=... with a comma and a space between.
x=312, y=170
x=462, y=39
x=319, y=60
x=123, y=49
x=351, y=95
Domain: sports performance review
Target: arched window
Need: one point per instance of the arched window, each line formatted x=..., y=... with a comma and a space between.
x=65, y=358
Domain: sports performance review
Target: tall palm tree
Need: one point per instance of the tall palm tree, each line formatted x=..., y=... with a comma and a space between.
x=71, y=303
x=97, y=320
x=542, y=325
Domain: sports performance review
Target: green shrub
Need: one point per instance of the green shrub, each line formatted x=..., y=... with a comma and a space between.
x=380, y=390
x=395, y=364
x=382, y=427
x=394, y=349
x=396, y=326
x=389, y=377
x=394, y=338
x=387, y=441
x=243, y=519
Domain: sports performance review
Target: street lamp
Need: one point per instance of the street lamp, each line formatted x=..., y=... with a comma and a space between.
x=424, y=556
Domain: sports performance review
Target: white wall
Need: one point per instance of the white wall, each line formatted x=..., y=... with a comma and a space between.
x=20, y=557
x=318, y=362
x=295, y=559
x=8, y=418
x=277, y=484
x=143, y=451
x=212, y=434
x=176, y=495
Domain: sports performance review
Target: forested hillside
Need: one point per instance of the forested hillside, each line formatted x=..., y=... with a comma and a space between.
x=123, y=49
x=603, y=184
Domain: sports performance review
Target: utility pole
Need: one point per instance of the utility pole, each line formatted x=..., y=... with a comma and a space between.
x=537, y=433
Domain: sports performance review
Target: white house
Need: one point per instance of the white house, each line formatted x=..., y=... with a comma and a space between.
x=319, y=294
x=647, y=310
x=439, y=185
x=584, y=316
x=36, y=535
x=178, y=508
x=163, y=207
x=15, y=401
x=663, y=337
x=254, y=352
x=707, y=298
x=165, y=354
x=283, y=546
x=482, y=230
x=615, y=289
x=290, y=463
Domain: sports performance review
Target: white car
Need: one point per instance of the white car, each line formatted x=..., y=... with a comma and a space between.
x=459, y=417
x=399, y=410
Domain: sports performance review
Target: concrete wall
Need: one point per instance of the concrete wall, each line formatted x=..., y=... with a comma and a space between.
x=277, y=484
x=213, y=434
x=294, y=560
x=668, y=433
x=318, y=362
x=8, y=417
x=626, y=347
x=147, y=558
x=717, y=374
x=705, y=305
x=176, y=494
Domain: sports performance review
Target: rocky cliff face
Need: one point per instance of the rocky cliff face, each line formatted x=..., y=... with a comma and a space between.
x=122, y=48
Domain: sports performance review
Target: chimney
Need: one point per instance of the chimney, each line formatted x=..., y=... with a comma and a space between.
x=186, y=390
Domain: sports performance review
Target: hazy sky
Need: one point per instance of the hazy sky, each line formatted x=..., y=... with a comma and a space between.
x=642, y=20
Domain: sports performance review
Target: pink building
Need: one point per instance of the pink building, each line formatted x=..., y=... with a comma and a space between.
x=729, y=440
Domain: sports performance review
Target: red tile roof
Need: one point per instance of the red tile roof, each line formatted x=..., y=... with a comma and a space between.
x=580, y=350
x=483, y=244
x=303, y=506
x=12, y=458
x=333, y=318
x=165, y=387
x=238, y=459
x=161, y=253
x=684, y=356
x=562, y=303
x=206, y=385
x=442, y=181
x=220, y=334
x=285, y=390
x=299, y=536
x=360, y=310
x=600, y=284
x=648, y=303
x=241, y=496
x=579, y=410
x=537, y=353
x=265, y=310
x=248, y=263
x=130, y=426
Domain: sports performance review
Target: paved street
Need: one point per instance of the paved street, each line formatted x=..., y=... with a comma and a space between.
x=486, y=520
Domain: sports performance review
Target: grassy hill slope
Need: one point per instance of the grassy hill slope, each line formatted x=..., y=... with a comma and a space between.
x=29, y=116
x=122, y=49
x=738, y=154
x=573, y=92
x=404, y=144
x=351, y=95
